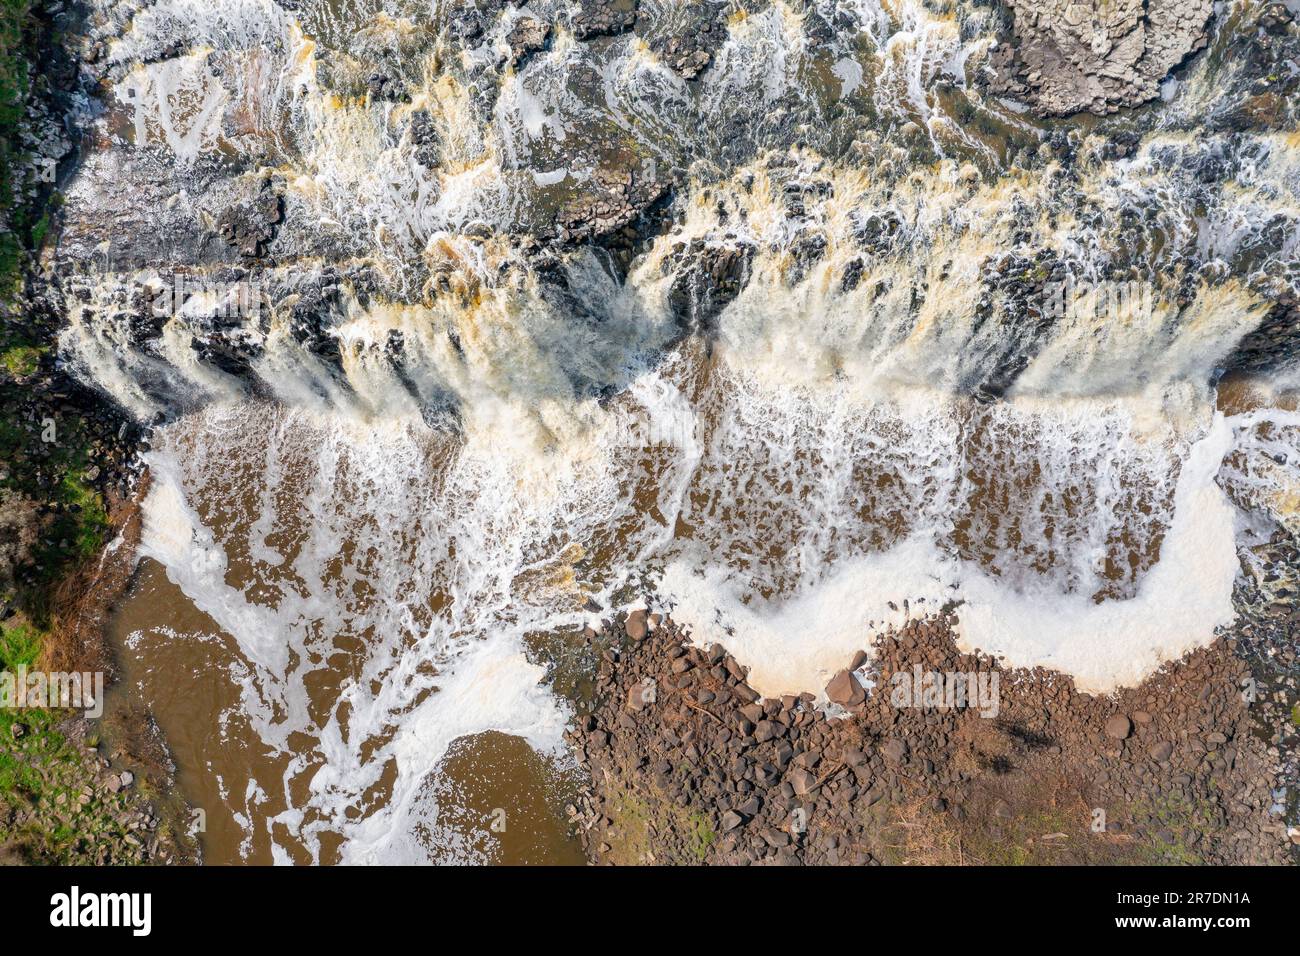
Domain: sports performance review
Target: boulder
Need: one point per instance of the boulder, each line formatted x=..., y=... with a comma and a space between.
x=637, y=625
x=1118, y=727
x=1162, y=751
x=845, y=690
x=1073, y=57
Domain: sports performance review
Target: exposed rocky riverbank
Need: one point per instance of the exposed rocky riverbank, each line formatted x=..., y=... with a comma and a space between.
x=689, y=765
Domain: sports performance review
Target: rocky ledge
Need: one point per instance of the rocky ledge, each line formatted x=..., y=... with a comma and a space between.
x=1071, y=56
x=688, y=764
x=598, y=18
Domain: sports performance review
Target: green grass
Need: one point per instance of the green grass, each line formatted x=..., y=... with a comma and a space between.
x=20, y=646
x=1181, y=818
x=77, y=534
x=42, y=776
x=21, y=360
x=700, y=835
x=89, y=525
x=40, y=230
x=14, y=86
x=637, y=816
x=42, y=773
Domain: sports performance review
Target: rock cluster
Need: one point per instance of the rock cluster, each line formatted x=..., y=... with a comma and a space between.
x=469, y=20
x=1272, y=344
x=80, y=790
x=1072, y=56
x=1267, y=630
x=58, y=431
x=598, y=18
x=249, y=224
x=689, y=764
x=618, y=199
x=528, y=36
x=689, y=53
x=1268, y=57
x=21, y=524
x=708, y=278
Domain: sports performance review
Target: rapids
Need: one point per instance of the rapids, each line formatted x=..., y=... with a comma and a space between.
x=886, y=344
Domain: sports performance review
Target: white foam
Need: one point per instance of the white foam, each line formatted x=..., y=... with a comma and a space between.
x=424, y=523
x=1178, y=607
x=798, y=643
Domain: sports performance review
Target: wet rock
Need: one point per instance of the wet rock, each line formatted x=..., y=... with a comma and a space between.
x=690, y=52
x=617, y=197
x=1275, y=19
x=597, y=18
x=381, y=86
x=250, y=223
x=470, y=20
x=708, y=279
x=528, y=36
x=424, y=137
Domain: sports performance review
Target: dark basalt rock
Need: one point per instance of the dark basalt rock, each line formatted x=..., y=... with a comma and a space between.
x=1022, y=300
x=381, y=86
x=1274, y=344
x=708, y=279
x=470, y=20
x=691, y=52
x=250, y=224
x=600, y=18
x=805, y=251
x=875, y=231
x=1270, y=56
x=427, y=142
x=528, y=36
x=610, y=210
x=852, y=276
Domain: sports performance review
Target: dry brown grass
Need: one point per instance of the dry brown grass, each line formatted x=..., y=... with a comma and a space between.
x=76, y=640
x=1024, y=821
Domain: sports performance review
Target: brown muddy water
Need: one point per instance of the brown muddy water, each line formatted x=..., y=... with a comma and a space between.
x=502, y=799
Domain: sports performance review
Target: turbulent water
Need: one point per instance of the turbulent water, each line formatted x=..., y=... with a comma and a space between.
x=876, y=342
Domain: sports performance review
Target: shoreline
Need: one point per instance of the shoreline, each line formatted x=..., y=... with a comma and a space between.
x=707, y=771
x=75, y=789
x=110, y=777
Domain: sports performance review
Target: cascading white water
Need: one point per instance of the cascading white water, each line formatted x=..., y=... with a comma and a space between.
x=376, y=547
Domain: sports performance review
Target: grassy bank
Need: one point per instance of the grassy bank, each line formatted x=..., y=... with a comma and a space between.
x=47, y=451
x=15, y=84
x=59, y=803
